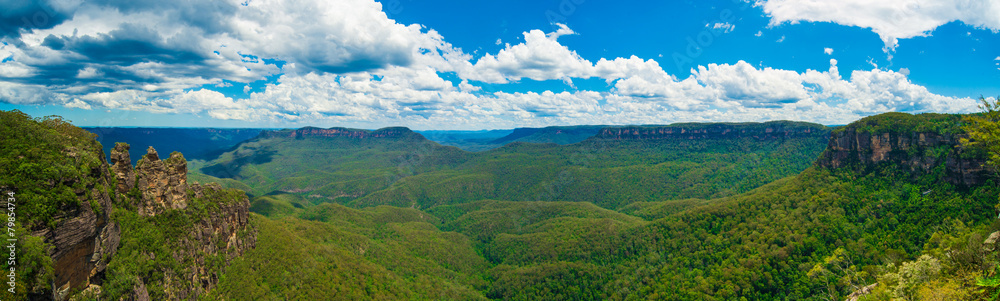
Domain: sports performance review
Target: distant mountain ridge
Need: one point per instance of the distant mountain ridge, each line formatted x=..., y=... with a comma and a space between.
x=715, y=130
x=388, y=132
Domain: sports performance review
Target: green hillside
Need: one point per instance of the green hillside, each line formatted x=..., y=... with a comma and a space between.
x=680, y=212
x=606, y=171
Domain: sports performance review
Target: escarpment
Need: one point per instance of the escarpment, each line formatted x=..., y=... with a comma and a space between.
x=84, y=236
x=217, y=228
x=920, y=149
x=389, y=132
x=767, y=130
x=116, y=207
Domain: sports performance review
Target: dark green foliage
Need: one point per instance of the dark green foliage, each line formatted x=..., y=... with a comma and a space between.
x=48, y=163
x=410, y=171
x=151, y=247
x=903, y=123
x=342, y=253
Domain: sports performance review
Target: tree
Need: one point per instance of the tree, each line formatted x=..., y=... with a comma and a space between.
x=984, y=129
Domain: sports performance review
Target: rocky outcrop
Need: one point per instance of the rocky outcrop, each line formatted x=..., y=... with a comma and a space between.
x=84, y=237
x=919, y=152
x=767, y=130
x=390, y=132
x=122, y=168
x=223, y=230
x=163, y=183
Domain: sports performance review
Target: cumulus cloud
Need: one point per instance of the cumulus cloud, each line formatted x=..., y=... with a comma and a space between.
x=540, y=57
x=347, y=63
x=891, y=20
x=828, y=51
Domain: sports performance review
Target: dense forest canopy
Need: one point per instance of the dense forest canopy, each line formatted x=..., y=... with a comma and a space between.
x=718, y=212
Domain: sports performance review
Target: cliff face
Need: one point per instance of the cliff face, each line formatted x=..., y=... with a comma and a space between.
x=766, y=130
x=918, y=151
x=220, y=228
x=84, y=237
x=390, y=132
x=163, y=182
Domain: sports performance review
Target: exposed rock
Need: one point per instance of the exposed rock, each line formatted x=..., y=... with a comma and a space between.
x=225, y=231
x=139, y=292
x=861, y=292
x=767, y=130
x=990, y=243
x=92, y=292
x=920, y=152
x=163, y=183
x=122, y=168
x=390, y=132
x=84, y=237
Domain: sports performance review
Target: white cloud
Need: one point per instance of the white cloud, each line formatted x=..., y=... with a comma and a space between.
x=89, y=72
x=347, y=64
x=724, y=27
x=781, y=39
x=540, y=57
x=828, y=51
x=759, y=33
x=891, y=20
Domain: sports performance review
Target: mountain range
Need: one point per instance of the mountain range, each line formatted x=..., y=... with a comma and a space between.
x=890, y=206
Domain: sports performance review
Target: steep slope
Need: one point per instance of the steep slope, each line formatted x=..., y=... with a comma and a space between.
x=819, y=235
x=614, y=170
x=400, y=168
x=330, y=164
x=87, y=229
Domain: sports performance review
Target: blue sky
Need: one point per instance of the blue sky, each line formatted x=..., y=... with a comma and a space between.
x=488, y=65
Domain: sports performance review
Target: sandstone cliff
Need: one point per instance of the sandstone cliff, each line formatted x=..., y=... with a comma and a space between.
x=920, y=149
x=219, y=228
x=389, y=132
x=767, y=130
x=86, y=238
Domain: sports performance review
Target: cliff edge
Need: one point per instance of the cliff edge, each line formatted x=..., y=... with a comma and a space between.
x=919, y=143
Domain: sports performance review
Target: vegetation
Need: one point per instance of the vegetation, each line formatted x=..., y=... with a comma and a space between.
x=733, y=218
x=414, y=172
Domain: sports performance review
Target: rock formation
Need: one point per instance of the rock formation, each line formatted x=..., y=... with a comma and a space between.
x=163, y=183
x=389, y=132
x=84, y=237
x=224, y=230
x=767, y=130
x=920, y=152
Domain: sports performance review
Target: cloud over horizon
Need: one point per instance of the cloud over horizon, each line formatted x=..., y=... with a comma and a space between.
x=348, y=62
